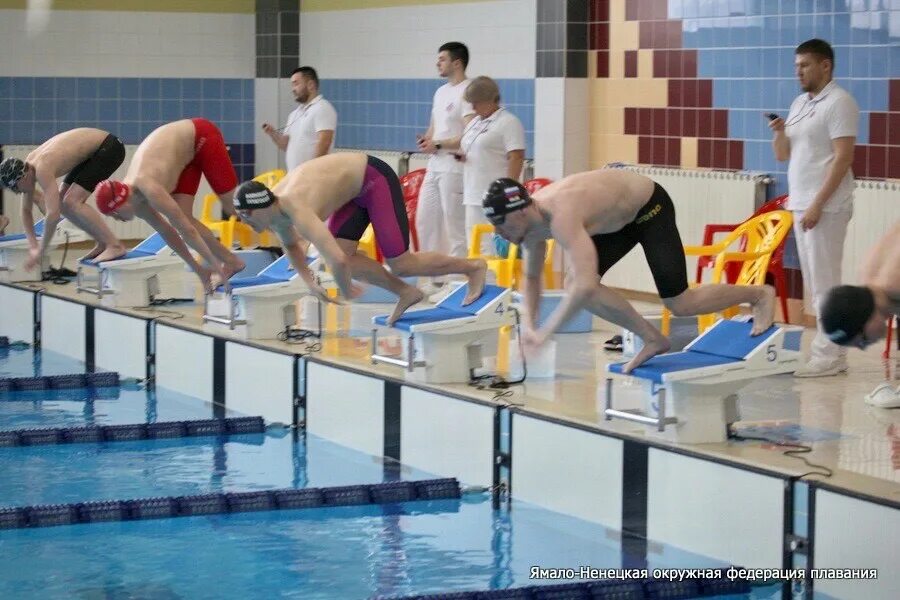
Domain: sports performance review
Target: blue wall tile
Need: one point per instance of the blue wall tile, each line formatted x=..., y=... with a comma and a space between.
x=23, y=87
x=150, y=88
x=108, y=88
x=130, y=88
x=44, y=87
x=5, y=87
x=108, y=110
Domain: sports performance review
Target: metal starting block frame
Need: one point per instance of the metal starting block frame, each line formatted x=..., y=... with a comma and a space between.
x=256, y=307
x=132, y=279
x=447, y=337
x=693, y=391
x=14, y=251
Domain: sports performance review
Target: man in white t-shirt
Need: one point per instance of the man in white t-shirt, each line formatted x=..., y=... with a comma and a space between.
x=492, y=146
x=818, y=138
x=441, y=221
x=309, y=132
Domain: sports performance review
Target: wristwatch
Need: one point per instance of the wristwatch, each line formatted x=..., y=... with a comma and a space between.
x=437, y=145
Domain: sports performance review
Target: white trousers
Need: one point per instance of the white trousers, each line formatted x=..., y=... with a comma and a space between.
x=821, y=251
x=441, y=220
x=475, y=216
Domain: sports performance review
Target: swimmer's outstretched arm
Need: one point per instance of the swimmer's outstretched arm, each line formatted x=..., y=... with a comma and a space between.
x=572, y=235
x=168, y=233
x=52, y=208
x=532, y=286
x=311, y=227
x=296, y=248
x=165, y=205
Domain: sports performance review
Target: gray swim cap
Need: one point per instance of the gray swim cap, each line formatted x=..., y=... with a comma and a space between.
x=252, y=195
x=11, y=171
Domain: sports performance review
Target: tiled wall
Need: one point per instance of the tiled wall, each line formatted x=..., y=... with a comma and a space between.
x=686, y=82
x=386, y=114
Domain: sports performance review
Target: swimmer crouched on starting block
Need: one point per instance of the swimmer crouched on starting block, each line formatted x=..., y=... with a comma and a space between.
x=350, y=191
x=598, y=217
x=160, y=186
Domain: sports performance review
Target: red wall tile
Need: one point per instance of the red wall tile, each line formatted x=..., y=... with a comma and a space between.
x=689, y=63
x=598, y=10
x=645, y=34
x=877, y=162
x=704, y=92
x=704, y=124
x=599, y=36
x=631, y=10
x=673, y=34
x=894, y=94
x=704, y=153
x=673, y=151
x=659, y=121
x=631, y=63
x=660, y=66
x=675, y=86
x=631, y=127
x=735, y=154
x=893, y=162
x=893, y=136
x=878, y=124
x=860, y=161
x=719, y=123
x=645, y=121
x=689, y=122
x=690, y=92
x=673, y=122
x=602, y=63
x=645, y=150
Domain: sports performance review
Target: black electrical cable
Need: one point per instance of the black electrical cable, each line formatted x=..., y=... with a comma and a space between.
x=794, y=452
x=495, y=382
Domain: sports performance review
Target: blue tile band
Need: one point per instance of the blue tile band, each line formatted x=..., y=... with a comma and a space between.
x=53, y=515
x=131, y=432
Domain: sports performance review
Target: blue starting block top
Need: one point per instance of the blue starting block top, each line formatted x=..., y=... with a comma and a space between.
x=280, y=271
x=725, y=343
x=153, y=245
x=15, y=237
x=448, y=309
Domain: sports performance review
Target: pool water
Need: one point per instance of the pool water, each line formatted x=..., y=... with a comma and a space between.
x=69, y=473
x=337, y=552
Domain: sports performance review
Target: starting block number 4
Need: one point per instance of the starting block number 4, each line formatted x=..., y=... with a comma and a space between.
x=499, y=310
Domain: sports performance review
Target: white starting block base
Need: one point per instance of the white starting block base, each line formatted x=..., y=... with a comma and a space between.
x=254, y=313
x=133, y=283
x=444, y=344
x=690, y=396
x=12, y=266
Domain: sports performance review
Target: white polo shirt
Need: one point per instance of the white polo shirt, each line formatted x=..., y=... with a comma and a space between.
x=447, y=112
x=485, y=144
x=303, y=127
x=811, y=125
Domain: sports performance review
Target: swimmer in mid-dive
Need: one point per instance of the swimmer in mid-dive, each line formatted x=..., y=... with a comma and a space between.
x=351, y=191
x=85, y=156
x=598, y=217
x=160, y=186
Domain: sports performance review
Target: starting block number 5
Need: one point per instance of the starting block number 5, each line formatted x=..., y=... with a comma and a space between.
x=771, y=353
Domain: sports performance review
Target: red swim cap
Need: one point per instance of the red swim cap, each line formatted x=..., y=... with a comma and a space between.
x=110, y=195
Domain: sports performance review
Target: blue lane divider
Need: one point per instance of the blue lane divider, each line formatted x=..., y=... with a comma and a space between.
x=4, y=341
x=636, y=589
x=59, y=382
x=232, y=502
x=131, y=432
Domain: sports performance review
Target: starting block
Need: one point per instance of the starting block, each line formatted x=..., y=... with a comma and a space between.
x=14, y=251
x=132, y=279
x=693, y=390
x=260, y=306
x=447, y=337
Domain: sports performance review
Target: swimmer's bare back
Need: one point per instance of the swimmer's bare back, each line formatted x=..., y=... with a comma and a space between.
x=324, y=184
x=163, y=154
x=604, y=200
x=64, y=151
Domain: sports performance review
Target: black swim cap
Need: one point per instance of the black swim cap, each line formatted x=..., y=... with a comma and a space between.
x=504, y=196
x=845, y=312
x=252, y=195
x=11, y=171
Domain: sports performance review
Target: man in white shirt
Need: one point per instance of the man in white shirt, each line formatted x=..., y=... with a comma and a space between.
x=492, y=146
x=441, y=220
x=818, y=138
x=309, y=132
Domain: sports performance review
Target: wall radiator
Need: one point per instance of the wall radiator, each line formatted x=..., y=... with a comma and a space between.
x=876, y=208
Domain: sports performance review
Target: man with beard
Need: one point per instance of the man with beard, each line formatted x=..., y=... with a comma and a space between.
x=309, y=132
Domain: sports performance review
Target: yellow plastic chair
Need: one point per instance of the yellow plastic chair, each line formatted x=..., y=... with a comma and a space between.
x=503, y=268
x=367, y=244
x=764, y=233
x=550, y=282
x=228, y=229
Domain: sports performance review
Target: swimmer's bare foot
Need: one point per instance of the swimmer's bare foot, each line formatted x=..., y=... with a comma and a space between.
x=233, y=265
x=111, y=253
x=409, y=296
x=764, y=310
x=205, y=276
x=4, y=223
x=658, y=344
x=218, y=278
x=476, y=282
x=94, y=253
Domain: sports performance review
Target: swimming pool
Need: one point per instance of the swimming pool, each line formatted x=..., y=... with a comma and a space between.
x=392, y=550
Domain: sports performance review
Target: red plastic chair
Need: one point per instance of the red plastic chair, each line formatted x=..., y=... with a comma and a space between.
x=776, y=265
x=411, y=184
x=533, y=185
